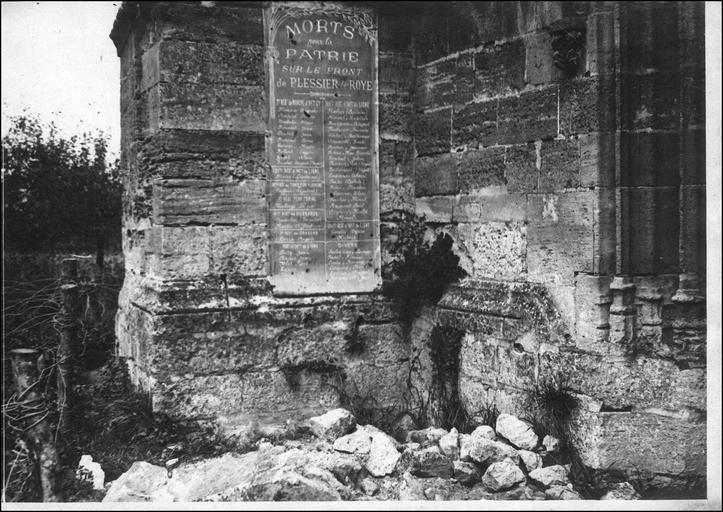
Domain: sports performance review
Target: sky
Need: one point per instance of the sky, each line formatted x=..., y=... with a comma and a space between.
x=59, y=63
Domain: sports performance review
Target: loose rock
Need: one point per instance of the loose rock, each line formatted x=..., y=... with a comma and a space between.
x=516, y=432
x=333, y=424
x=359, y=442
x=502, y=475
x=484, y=431
x=551, y=475
x=551, y=444
x=621, y=491
x=369, y=486
x=466, y=473
x=94, y=472
x=383, y=455
x=435, y=434
x=485, y=452
x=562, y=492
x=142, y=482
x=531, y=460
x=449, y=444
x=431, y=462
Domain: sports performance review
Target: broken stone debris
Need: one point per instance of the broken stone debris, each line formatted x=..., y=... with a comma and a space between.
x=363, y=463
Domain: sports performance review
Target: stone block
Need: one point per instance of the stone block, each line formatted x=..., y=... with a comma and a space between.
x=651, y=33
x=499, y=70
x=490, y=208
x=650, y=159
x=396, y=72
x=600, y=44
x=560, y=235
x=495, y=249
x=435, y=175
x=435, y=208
x=522, y=167
x=210, y=63
x=654, y=220
x=435, y=85
x=464, y=79
x=396, y=196
x=539, y=66
x=481, y=169
x=239, y=250
x=597, y=159
x=197, y=106
x=220, y=23
x=432, y=132
x=587, y=105
x=530, y=116
x=651, y=101
x=475, y=125
x=382, y=344
x=184, y=201
x=395, y=115
x=559, y=165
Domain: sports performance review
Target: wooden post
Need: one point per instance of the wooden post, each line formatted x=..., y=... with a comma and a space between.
x=27, y=376
x=67, y=348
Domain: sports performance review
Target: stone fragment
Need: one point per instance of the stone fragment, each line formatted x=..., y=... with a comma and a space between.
x=484, y=431
x=502, y=475
x=369, y=486
x=466, y=473
x=435, y=434
x=283, y=484
x=485, y=452
x=621, y=491
x=516, y=432
x=87, y=469
x=333, y=424
x=562, y=492
x=551, y=444
x=383, y=455
x=418, y=436
x=531, y=460
x=449, y=444
x=431, y=462
x=357, y=442
x=551, y=475
x=142, y=482
x=402, y=427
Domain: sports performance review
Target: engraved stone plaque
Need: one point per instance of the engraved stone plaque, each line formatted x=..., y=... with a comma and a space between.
x=323, y=185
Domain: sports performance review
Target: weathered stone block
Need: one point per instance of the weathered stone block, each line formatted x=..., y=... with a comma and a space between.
x=651, y=32
x=499, y=70
x=539, y=66
x=480, y=169
x=228, y=23
x=239, y=250
x=650, y=159
x=597, y=159
x=490, y=208
x=435, y=208
x=600, y=44
x=396, y=72
x=559, y=165
x=210, y=63
x=495, y=249
x=587, y=105
x=435, y=175
x=522, y=167
x=184, y=201
x=464, y=79
x=559, y=235
x=475, y=124
x=432, y=132
x=435, y=85
x=651, y=101
x=395, y=115
x=195, y=106
x=530, y=116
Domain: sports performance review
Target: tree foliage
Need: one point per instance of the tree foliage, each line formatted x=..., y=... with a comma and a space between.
x=58, y=193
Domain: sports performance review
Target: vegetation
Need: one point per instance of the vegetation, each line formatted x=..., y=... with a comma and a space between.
x=58, y=193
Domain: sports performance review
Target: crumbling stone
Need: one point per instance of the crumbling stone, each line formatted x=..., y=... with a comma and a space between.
x=551, y=475
x=502, y=475
x=383, y=455
x=449, y=444
x=466, y=473
x=359, y=442
x=621, y=491
x=486, y=452
x=333, y=424
x=431, y=462
x=562, y=492
x=551, y=444
x=516, y=432
x=531, y=460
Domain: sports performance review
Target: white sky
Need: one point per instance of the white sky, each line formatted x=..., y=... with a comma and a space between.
x=59, y=63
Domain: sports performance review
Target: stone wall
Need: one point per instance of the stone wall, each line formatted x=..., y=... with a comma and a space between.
x=559, y=144
x=203, y=333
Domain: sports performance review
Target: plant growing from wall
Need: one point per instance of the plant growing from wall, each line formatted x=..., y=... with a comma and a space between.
x=420, y=272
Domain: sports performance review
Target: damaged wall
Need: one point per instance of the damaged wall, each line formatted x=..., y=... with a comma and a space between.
x=559, y=144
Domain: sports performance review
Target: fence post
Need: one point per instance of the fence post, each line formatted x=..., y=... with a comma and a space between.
x=67, y=349
x=26, y=375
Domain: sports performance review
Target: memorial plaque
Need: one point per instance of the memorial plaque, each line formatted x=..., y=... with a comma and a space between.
x=323, y=185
